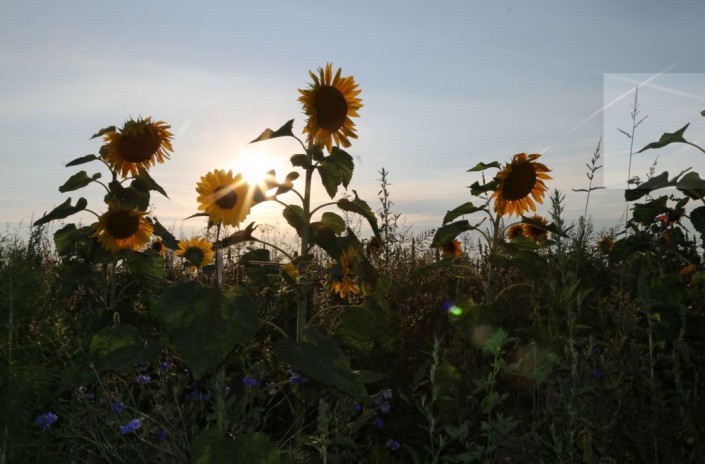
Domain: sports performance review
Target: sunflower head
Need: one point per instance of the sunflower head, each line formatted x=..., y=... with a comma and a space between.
x=159, y=247
x=605, y=244
x=226, y=198
x=452, y=249
x=535, y=233
x=519, y=182
x=137, y=145
x=123, y=229
x=290, y=272
x=514, y=231
x=346, y=285
x=330, y=102
x=197, y=251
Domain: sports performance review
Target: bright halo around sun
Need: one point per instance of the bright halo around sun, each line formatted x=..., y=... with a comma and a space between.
x=254, y=164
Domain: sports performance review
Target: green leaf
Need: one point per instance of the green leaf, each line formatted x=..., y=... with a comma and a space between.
x=697, y=218
x=363, y=209
x=103, y=131
x=213, y=447
x=448, y=232
x=77, y=181
x=127, y=197
x=82, y=160
x=283, y=131
x=161, y=232
x=62, y=211
x=552, y=227
x=240, y=236
x=647, y=187
x=692, y=185
x=482, y=166
x=646, y=212
x=366, y=327
x=667, y=139
x=335, y=170
x=144, y=182
x=300, y=160
x=111, y=338
x=477, y=189
x=465, y=208
x=335, y=222
x=294, y=216
x=319, y=358
x=205, y=323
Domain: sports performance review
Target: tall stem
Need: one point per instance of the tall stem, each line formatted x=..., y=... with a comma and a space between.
x=304, y=287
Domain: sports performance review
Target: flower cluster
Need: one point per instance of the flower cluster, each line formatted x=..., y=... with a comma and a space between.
x=131, y=426
x=45, y=421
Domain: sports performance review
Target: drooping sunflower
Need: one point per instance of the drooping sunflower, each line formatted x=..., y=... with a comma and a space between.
x=514, y=231
x=605, y=244
x=329, y=103
x=137, y=145
x=346, y=285
x=535, y=233
x=519, y=181
x=123, y=229
x=226, y=198
x=198, y=252
x=452, y=249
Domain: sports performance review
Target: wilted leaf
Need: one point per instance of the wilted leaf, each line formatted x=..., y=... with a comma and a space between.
x=145, y=182
x=62, y=211
x=465, y=208
x=82, y=160
x=160, y=231
x=103, y=131
x=482, y=166
x=667, y=138
x=77, y=181
x=283, y=131
x=363, y=209
x=239, y=236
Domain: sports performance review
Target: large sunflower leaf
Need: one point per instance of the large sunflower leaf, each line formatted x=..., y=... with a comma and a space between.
x=77, y=181
x=283, y=131
x=465, y=208
x=335, y=170
x=206, y=324
x=294, y=215
x=239, y=236
x=647, y=187
x=692, y=185
x=477, y=189
x=697, y=218
x=366, y=327
x=161, y=232
x=82, y=160
x=62, y=211
x=119, y=348
x=363, y=209
x=300, y=160
x=213, y=447
x=319, y=358
x=127, y=197
x=145, y=182
x=667, y=138
x=448, y=232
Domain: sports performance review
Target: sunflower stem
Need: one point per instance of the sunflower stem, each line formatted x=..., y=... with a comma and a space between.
x=302, y=303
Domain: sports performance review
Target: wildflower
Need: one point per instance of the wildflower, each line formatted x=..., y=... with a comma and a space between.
x=45, y=421
x=379, y=422
x=519, y=181
x=357, y=407
x=378, y=399
x=533, y=232
x=514, y=231
x=387, y=393
x=166, y=366
x=137, y=145
x=452, y=249
x=122, y=229
x=198, y=251
x=385, y=407
x=393, y=444
x=131, y=426
x=606, y=244
x=226, y=198
x=87, y=394
x=346, y=286
x=117, y=407
x=162, y=434
x=143, y=379
x=249, y=382
x=159, y=247
x=329, y=103
x=672, y=217
x=295, y=378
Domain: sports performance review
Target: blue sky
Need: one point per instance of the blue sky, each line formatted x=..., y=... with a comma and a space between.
x=444, y=85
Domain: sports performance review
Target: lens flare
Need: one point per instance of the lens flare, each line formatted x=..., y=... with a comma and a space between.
x=452, y=309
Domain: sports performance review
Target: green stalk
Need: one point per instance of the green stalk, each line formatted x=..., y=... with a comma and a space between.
x=302, y=301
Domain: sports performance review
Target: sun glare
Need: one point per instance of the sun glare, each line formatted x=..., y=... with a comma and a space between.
x=254, y=165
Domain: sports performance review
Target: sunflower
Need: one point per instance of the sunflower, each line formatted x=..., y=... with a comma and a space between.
x=198, y=251
x=138, y=145
x=605, y=244
x=518, y=182
x=225, y=198
x=329, y=103
x=536, y=234
x=122, y=229
x=514, y=231
x=159, y=247
x=452, y=249
x=346, y=286
x=290, y=272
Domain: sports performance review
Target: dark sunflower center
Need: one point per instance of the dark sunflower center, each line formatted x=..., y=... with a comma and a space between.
x=138, y=147
x=331, y=108
x=157, y=246
x=520, y=182
x=194, y=255
x=122, y=224
x=226, y=199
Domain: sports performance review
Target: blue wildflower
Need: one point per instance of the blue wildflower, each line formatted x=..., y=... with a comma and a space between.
x=143, y=379
x=387, y=393
x=393, y=444
x=166, y=366
x=295, y=378
x=117, y=406
x=357, y=407
x=249, y=382
x=162, y=434
x=131, y=426
x=378, y=399
x=45, y=421
x=379, y=422
x=384, y=407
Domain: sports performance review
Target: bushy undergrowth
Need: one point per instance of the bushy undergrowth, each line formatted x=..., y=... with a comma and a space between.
x=530, y=341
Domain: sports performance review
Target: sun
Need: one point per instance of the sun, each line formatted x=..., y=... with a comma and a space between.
x=253, y=165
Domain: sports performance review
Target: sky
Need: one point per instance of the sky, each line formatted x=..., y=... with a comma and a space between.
x=445, y=85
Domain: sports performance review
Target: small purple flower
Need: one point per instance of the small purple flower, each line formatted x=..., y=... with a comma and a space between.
x=387, y=393
x=295, y=378
x=378, y=399
x=598, y=374
x=379, y=422
x=393, y=444
x=131, y=426
x=384, y=407
x=117, y=406
x=357, y=407
x=166, y=366
x=143, y=379
x=45, y=421
x=162, y=434
x=142, y=367
x=249, y=382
